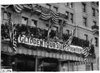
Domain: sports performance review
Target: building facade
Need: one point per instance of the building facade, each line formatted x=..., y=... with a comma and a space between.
x=33, y=53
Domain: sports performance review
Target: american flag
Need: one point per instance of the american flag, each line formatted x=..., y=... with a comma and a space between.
x=45, y=16
x=14, y=41
x=87, y=49
x=69, y=41
x=18, y=8
x=55, y=17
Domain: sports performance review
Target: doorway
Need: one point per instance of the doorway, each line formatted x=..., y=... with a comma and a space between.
x=48, y=64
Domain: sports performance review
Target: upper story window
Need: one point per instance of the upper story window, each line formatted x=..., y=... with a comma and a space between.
x=93, y=3
x=67, y=4
x=67, y=15
x=55, y=9
x=71, y=17
x=93, y=11
x=24, y=20
x=34, y=23
x=86, y=36
x=6, y=16
x=67, y=31
x=96, y=41
x=70, y=5
x=48, y=6
x=85, y=21
x=94, y=22
x=97, y=3
x=84, y=7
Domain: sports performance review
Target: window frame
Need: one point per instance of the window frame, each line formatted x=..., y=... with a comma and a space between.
x=96, y=41
x=6, y=20
x=71, y=17
x=67, y=15
x=25, y=18
x=83, y=7
x=49, y=6
x=93, y=12
x=85, y=21
x=35, y=23
x=86, y=36
x=68, y=31
x=55, y=8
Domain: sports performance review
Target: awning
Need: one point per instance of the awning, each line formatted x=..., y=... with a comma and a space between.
x=43, y=53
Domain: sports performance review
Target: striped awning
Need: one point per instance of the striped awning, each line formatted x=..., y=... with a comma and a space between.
x=43, y=53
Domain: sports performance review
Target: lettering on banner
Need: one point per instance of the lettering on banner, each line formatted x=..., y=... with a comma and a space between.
x=47, y=44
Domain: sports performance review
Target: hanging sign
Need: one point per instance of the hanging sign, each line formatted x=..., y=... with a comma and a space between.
x=51, y=45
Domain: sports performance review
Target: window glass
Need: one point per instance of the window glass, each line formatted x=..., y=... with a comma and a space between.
x=24, y=20
x=71, y=17
x=84, y=7
x=67, y=15
x=86, y=36
x=85, y=21
x=34, y=23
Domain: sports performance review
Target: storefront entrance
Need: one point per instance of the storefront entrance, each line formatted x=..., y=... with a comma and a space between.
x=48, y=64
x=24, y=63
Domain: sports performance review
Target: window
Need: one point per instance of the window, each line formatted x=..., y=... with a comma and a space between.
x=67, y=4
x=24, y=20
x=86, y=36
x=48, y=6
x=67, y=15
x=93, y=3
x=97, y=3
x=71, y=5
x=84, y=7
x=67, y=31
x=93, y=11
x=96, y=41
x=85, y=21
x=55, y=9
x=34, y=23
x=71, y=17
x=94, y=22
x=6, y=16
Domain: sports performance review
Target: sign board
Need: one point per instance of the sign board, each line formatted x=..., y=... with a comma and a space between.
x=51, y=45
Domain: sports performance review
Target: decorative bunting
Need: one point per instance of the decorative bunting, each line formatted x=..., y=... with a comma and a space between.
x=18, y=8
x=87, y=49
x=14, y=38
x=5, y=6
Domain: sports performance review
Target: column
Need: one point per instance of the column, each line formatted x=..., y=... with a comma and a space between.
x=68, y=65
x=92, y=66
x=15, y=64
x=59, y=66
x=9, y=61
x=36, y=64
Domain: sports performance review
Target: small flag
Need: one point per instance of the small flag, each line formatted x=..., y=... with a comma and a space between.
x=18, y=8
x=14, y=38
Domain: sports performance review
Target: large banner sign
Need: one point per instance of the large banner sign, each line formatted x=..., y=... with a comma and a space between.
x=51, y=45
